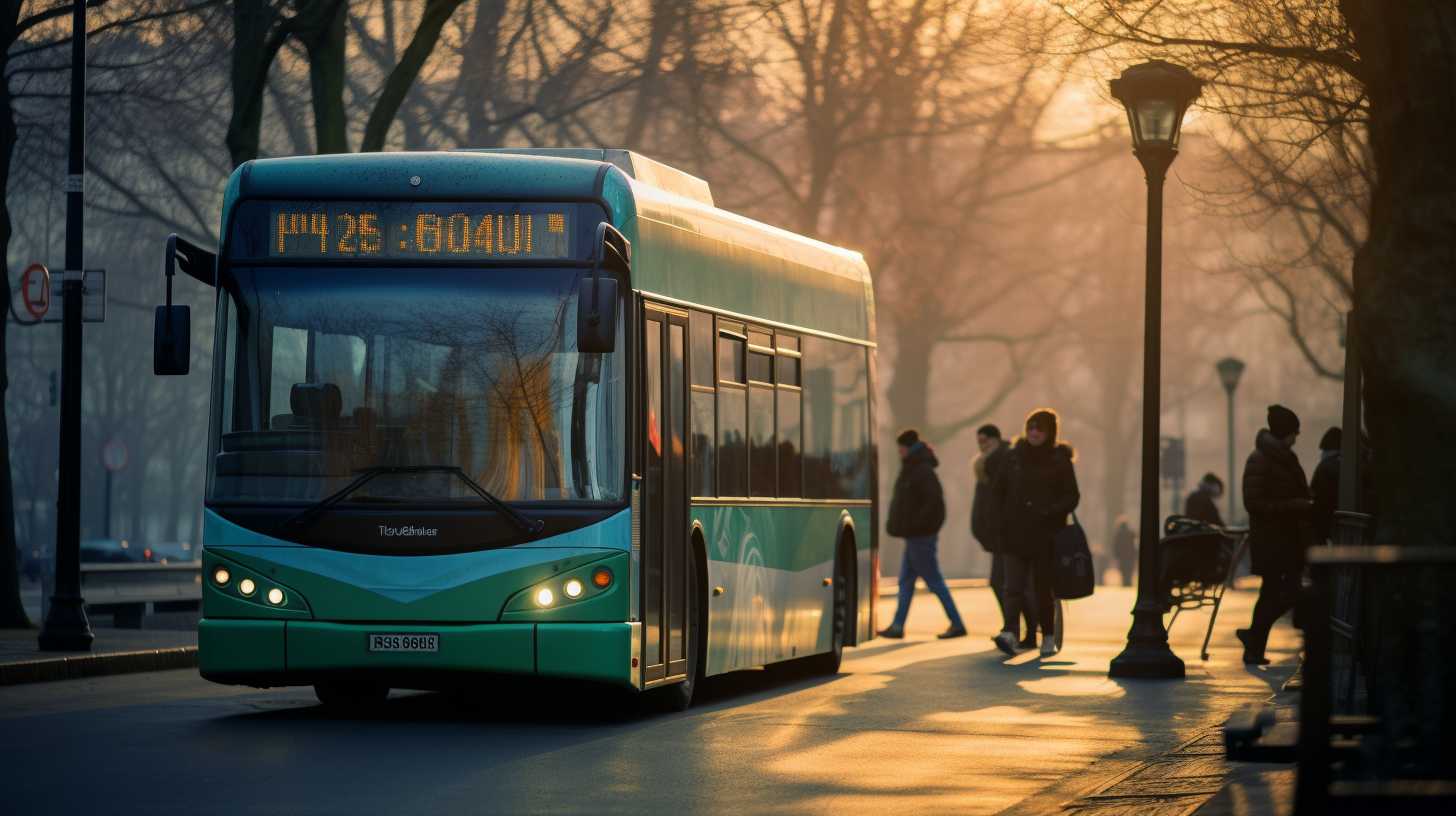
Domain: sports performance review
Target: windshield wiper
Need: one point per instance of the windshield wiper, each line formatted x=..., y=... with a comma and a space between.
x=306, y=517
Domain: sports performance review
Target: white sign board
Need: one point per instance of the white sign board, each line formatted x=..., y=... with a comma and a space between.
x=93, y=299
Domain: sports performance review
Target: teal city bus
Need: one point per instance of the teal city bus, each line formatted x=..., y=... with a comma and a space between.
x=530, y=412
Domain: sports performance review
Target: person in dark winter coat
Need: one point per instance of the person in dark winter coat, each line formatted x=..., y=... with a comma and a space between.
x=917, y=511
x=1276, y=494
x=1325, y=485
x=1035, y=498
x=989, y=467
x=1124, y=549
x=1202, y=503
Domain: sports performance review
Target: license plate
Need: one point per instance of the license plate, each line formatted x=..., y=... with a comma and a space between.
x=403, y=642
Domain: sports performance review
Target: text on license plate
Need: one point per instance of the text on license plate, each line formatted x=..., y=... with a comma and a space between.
x=402, y=642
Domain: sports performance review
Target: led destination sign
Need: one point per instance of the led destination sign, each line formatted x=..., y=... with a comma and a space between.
x=406, y=230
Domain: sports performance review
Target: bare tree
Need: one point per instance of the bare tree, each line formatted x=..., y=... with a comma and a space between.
x=1310, y=202
x=262, y=28
x=1385, y=70
x=32, y=36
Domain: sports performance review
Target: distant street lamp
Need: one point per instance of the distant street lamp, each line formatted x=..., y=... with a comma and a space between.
x=1156, y=95
x=1230, y=369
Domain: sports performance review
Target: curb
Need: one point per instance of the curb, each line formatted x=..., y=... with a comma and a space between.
x=74, y=668
x=888, y=586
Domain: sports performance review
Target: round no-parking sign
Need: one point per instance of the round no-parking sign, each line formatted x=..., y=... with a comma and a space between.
x=35, y=290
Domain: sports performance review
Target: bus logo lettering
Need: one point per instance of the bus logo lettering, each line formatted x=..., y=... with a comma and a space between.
x=408, y=530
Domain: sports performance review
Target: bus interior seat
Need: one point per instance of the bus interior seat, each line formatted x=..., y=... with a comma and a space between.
x=317, y=404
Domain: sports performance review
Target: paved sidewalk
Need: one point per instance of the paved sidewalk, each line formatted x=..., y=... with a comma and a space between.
x=115, y=651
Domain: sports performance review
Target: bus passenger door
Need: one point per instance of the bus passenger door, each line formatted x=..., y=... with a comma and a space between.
x=665, y=565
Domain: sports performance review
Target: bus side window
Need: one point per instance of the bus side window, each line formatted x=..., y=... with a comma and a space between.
x=789, y=419
x=732, y=412
x=836, y=419
x=703, y=432
x=763, y=469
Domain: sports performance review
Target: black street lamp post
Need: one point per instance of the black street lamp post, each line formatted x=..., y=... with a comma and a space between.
x=1156, y=95
x=66, y=628
x=1229, y=371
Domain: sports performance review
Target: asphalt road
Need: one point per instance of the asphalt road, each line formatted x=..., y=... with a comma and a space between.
x=918, y=725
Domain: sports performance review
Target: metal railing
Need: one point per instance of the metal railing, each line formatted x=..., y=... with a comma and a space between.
x=1379, y=699
x=125, y=590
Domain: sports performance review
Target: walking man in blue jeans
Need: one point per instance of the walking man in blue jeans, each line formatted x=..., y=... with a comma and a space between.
x=917, y=511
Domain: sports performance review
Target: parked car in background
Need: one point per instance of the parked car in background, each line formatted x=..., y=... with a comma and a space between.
x=174, y=552
x=110, y=551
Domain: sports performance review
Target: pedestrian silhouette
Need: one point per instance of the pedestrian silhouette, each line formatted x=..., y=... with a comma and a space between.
x=1035, y=498
x=917, y=511
x=1276, y=494
x=989, y=467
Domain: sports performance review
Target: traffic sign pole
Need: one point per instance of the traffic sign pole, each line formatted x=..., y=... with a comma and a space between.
x=66, y=628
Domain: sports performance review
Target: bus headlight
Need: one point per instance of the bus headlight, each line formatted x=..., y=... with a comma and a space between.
x=221, y=576
x=573, y=589
x=247, y=587
x=545, y=597
x=602, y=578
x=275, y=596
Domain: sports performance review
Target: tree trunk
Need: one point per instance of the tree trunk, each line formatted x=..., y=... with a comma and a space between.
x=325, y=44
x=665, y=16
x=436, y=14
x=12, y=611
x=909, y=391
x=478, y=71
x=252, y=55
x=1405, y=295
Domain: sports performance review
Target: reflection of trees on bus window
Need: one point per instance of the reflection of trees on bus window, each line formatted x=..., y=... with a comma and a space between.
x=762, y=457
x=703, y=420
x=836, y=419
x=732, y=416
x=440, y=367
x=790, y=424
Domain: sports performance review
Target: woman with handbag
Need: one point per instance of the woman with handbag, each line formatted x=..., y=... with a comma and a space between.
x=1037, y=494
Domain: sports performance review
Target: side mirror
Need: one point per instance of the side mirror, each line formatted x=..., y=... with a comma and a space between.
x=172, y=340
x=596, y=315
x=172, y=330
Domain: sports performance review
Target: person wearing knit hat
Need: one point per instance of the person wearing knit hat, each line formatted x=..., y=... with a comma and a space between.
x=1036, y=497
x=1282, y=421
x=1276, y=494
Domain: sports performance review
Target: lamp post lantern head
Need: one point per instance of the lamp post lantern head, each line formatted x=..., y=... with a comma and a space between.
x=1229, y=371
x=1156, y=95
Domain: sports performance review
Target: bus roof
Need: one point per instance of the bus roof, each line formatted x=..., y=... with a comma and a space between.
x=684, y=249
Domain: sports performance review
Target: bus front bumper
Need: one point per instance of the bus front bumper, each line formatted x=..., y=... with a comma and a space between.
x=292, y=653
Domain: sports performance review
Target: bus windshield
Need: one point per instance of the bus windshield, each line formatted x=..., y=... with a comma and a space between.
x=330, y=371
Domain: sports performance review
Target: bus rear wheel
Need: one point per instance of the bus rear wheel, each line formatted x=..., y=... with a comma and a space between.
x=351, y=698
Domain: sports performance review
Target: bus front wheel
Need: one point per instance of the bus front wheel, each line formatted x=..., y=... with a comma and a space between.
x=353, y=698
x=679, y=696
